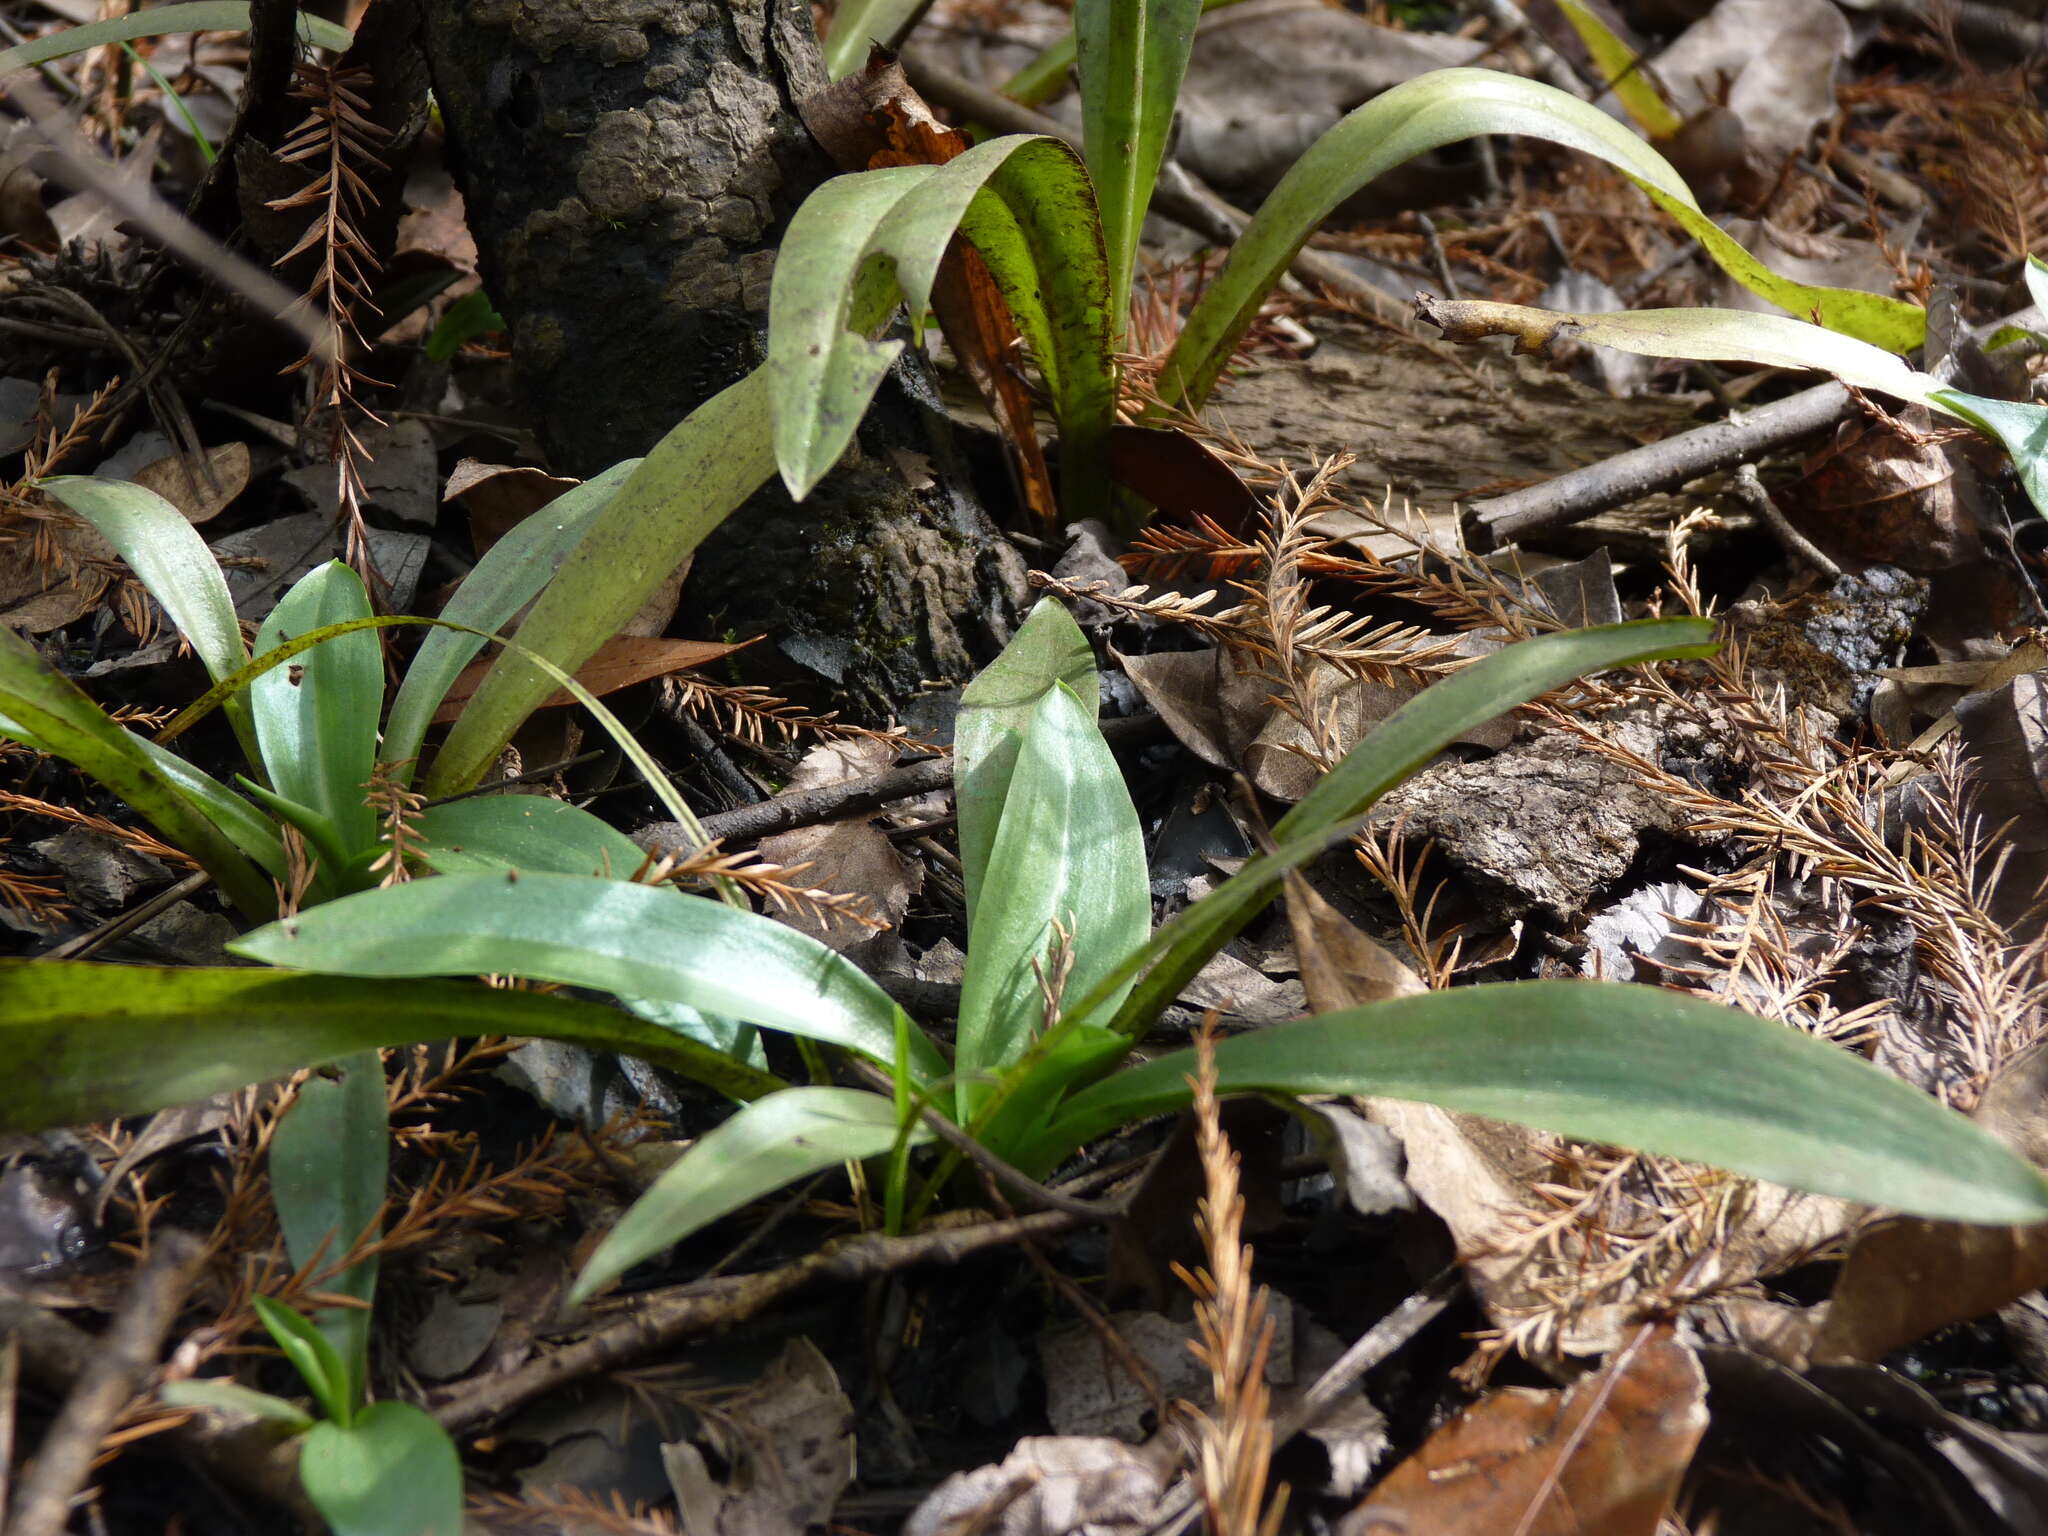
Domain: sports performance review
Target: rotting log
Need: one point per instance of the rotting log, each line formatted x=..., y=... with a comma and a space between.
x=628, y=166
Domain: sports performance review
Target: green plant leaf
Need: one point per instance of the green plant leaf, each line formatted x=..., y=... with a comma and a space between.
x=393, y=1472
x=832, y=286
x=717, y=457
x=312, y=1355
x=1621, y=72
x=1402, y=743
x=159, y=21
x=1047, y=650
x=316, y=719
x=232, y=1398
x=99, y=1042
x=1624, y=1064
x=173, y=562
x=1045, y=76
x=2022, y=428
x=330, y=1160
x=462, y=322
x=51, y=713
x=767, y=1144
x=1439, y=108
x=1132, y=55
x=489, y=834
x=509, y=576
x=635, y=940
x=1026, y=205
x=861, y=25
x=1709, y=335
x=1069, y=855
x=2036, y=271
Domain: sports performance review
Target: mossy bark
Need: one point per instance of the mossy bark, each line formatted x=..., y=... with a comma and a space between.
x=628, y=167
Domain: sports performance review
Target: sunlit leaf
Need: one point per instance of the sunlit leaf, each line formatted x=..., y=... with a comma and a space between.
x=535, y=833
x=1443, y=107
x=316, y=718
x=1628, y=1065
x=634, y=940
x=1069, y=858
x=1132, y=54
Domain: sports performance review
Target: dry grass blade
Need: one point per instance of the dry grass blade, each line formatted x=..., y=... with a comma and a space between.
x=1234, y=1445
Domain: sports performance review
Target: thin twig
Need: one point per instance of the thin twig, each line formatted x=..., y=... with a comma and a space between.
x=1377, y=1343
x=126, y=1357
x=1749, y=490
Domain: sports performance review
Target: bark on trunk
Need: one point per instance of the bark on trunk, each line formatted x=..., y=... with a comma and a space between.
x=628, y=166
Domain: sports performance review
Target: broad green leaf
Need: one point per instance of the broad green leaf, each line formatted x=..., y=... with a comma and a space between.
x=1708, y=335
x=393, y=1472
x=159, y=21
x=468, y=318
x=832, y=287
x=316, y=719
x=492, y=833
x=766, y=1145
x=635, y=940
x=1047, y=650
x=101, y=1042
x=312, y=1355
x=1132, y=55
x=232, y=1398
x=719, y=455
x=1625, y=1064
x=2023, y=428
x=1402, y=743
x=1440, y=108
x=509, y=576
x=53, y=714
x=172, y=561
x=1621, y=72
x=861, y=25
x=860, y=240
x=330, y=1160
x=1068, y=858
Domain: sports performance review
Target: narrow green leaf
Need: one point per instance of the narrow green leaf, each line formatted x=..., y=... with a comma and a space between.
x=312, y=1355
x=99, y=1042
x=1629, y=1065
x=2037, y=282
x=766, y=1145
x=859, y=240
x=1329, y=813
x=509, y=576
x=831, y=288
x=2023, y=428
x=316, y=719
x=243, y=824
x=231, y=1398
x=1132, y=54
x=489, y=834
x=330, y=1160
x=635, y=940
x=393, y=1472
x=1047, y=650
x=1621, y=72
x=861, y=25
x=172, y=561
x=1440, y=108
x=717, y=457
x=1069, y=858
x=1709, y=335
x=53, y=714
x=160, y=21
x=1045, y=76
